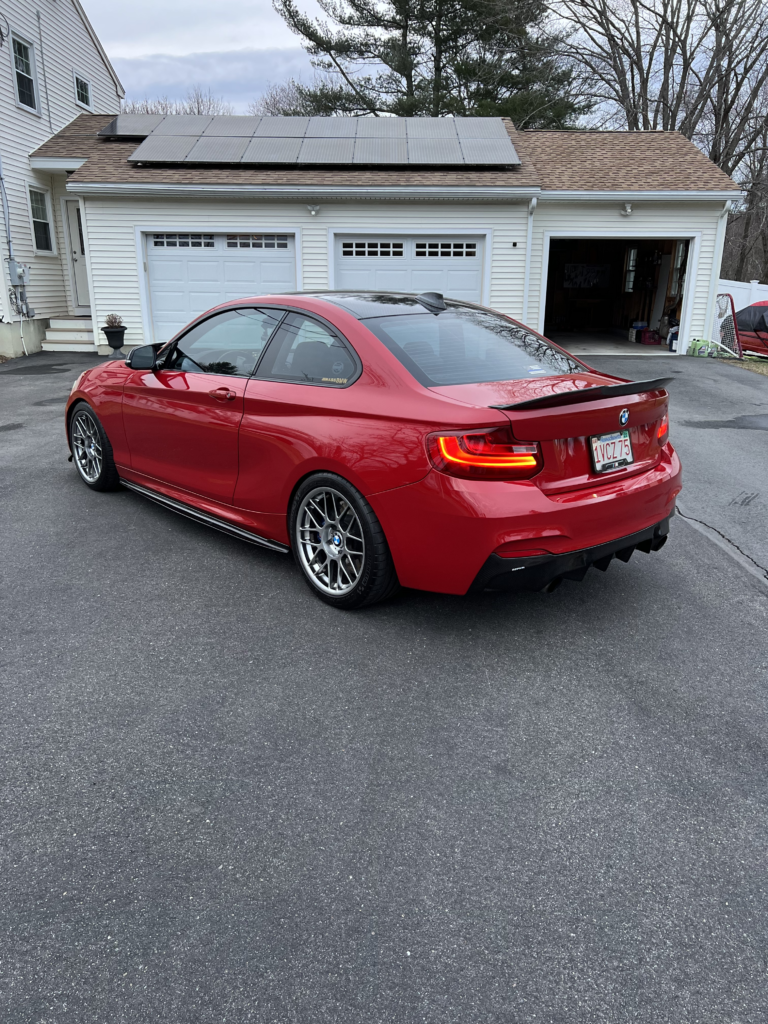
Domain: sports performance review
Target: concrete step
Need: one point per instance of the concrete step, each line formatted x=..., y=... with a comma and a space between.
x=67, y=346
x=81, y=323
x=61, y=335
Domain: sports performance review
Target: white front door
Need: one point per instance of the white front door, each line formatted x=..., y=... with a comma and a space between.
x=450, y=264
x=77, y=254
x=189, y=272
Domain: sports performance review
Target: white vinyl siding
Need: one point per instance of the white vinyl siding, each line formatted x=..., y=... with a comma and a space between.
x=119, y=275
x=67, y=46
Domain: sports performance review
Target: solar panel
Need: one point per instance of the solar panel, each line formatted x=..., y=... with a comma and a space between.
x=434, y=151
x=381, y=151
x=132, y=125
x=481, y=128
x=371, y=141
x=489, y=151
x=183, y=124
x=326, y=151
x=380, y=128
x=164, y=149
x=233, y=126
x=272, y=151
x=332, y=128
x=282, y=127
x=216, y=150
x=430, y=128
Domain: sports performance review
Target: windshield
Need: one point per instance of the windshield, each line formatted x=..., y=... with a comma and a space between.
x=468, y=346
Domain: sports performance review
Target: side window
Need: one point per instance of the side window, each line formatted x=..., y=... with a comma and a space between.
x=24, y=69
x=305, y=351
x=229, y=342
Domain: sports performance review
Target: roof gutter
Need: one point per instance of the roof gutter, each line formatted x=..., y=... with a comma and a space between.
x=481, y=194
x=635, y=196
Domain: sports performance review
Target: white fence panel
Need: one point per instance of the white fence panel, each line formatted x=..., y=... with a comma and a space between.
x=744, y=293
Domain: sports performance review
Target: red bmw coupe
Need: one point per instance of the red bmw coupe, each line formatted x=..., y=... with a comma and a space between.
x=385, y=439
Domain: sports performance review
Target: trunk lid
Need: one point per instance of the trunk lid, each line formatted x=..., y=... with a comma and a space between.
x=564, y=430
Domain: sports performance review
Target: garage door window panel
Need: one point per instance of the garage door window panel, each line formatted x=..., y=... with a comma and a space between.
x=304, y=351
x=229, y=343
x=468, y=347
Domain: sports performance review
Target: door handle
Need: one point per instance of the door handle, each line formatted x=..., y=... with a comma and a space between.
x=223, y=394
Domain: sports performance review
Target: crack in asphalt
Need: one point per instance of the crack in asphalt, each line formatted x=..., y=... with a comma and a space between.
x=692, y=519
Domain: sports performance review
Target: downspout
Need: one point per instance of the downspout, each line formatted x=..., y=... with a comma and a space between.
x=717, y=259
x=528, y=240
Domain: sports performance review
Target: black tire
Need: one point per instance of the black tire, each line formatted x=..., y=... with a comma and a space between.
x=360, y=564
x=91, y=450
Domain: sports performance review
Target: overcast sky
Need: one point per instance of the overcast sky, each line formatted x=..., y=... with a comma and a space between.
x=162, y=47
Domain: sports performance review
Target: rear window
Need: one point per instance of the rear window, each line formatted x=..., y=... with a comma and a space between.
x=467, y=346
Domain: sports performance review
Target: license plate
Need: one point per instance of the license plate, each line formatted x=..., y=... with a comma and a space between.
x=611, y=451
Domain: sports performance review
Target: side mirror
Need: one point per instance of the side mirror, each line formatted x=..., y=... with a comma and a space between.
x=142, y=358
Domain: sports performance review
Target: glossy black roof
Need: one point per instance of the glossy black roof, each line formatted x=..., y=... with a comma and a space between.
x=364, y=305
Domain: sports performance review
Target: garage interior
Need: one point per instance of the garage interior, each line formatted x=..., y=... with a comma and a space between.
x=597, y=288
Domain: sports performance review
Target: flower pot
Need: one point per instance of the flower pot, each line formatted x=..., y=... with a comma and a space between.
x=115, y=336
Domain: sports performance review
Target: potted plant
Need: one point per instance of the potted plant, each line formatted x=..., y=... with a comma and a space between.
x=115, y=332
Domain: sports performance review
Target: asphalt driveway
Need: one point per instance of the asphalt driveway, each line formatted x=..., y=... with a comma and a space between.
x=222, y=801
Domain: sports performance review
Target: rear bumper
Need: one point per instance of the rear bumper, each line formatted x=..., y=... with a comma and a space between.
x=539, y=573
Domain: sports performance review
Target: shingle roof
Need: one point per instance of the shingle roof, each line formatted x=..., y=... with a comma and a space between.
x=619, y=161
x=580, y=161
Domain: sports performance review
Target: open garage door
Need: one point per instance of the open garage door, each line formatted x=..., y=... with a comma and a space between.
x=597, y=288
x=452, y=264
x=190, y=272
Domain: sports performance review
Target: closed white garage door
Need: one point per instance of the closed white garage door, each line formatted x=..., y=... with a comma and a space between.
x=411, y=263
x=189, y=273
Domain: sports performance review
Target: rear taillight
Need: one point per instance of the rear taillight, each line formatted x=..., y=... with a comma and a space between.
x=490, y=455
x=662, y=435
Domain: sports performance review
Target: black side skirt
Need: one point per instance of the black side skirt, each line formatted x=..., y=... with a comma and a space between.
x=206, y=518
x=547, y=571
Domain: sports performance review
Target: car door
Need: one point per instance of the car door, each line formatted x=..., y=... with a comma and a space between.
x=294, y=410
x=182, y=420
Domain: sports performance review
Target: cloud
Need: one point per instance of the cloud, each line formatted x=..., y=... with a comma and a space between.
x=179, y=27
x=238, y=76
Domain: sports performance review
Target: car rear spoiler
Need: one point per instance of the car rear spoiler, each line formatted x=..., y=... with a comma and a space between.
x=634, y=387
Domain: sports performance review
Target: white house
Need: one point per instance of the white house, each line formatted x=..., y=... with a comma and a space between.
x=52, y=68
x=568, y=231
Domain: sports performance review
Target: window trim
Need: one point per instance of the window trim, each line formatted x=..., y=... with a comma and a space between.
x=33, y=186
x=331, y=328
x=87, y=81
x=17, y=37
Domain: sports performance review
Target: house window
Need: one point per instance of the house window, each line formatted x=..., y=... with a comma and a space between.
x=629, y=275
x=24, y=67
x=446, y=248
x=41, y=220
x=371, y=248
x=184, y=241
x=83, y=91
x=257, y=241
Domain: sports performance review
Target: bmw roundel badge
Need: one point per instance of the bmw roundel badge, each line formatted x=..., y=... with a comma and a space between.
x=624, y=417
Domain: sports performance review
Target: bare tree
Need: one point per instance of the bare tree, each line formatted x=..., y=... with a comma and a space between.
x=197, y=101
x=695, y=66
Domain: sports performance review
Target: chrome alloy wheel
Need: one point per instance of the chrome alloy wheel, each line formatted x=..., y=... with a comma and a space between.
x=331, y=544
x=86, y=446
